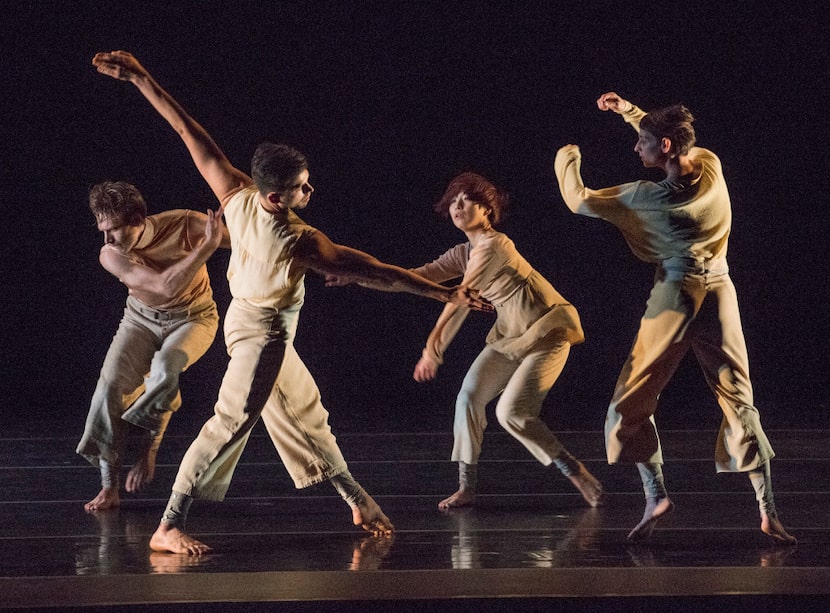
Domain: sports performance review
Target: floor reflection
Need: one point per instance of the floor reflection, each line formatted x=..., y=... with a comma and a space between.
x=121, y=546
x=543, y=548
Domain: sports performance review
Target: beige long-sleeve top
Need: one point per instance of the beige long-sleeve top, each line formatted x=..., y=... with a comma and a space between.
x=682, y=224
x=528, y=308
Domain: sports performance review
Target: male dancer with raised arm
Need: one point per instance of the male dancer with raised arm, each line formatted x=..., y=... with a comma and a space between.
x=681, y=225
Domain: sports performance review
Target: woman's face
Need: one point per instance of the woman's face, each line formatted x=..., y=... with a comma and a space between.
x=468, y=215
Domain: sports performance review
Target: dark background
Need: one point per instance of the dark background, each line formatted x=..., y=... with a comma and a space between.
x=390, y=100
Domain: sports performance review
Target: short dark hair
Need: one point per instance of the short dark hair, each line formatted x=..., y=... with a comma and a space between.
x=275, y=166
x=672, y=122
x=478, y=189
x=117, y=200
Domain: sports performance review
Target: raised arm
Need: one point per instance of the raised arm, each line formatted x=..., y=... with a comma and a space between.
x=315, y=251
x=612, y=101
x=155, y=287
x=222, y=177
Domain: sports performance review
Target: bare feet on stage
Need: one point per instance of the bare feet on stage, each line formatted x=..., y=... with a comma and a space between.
x=106, y=499
x=173, y=540
x=142, y=472
x=588, y=486
x=462, y=498
x=772, y=526
x=656, y=508
x=369, y=516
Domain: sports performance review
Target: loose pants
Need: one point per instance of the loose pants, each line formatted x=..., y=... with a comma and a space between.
x=265, y=378
x=697, y=310
x=523, y=385
x=151, y=348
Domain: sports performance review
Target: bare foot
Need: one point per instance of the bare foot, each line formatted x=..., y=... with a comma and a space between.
x=171, y=539
x=772, y=526
x=462, y=498
x=656, y=508
x=142, y=472
x=368, y=515
x=588, y=486
x=107, y=498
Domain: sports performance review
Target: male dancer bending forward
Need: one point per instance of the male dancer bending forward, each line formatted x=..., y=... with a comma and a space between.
x=682, y=225
x=271, y=249
x=169, y=322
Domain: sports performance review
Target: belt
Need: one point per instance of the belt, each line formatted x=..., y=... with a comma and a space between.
x=166, y=314
x=691, y=265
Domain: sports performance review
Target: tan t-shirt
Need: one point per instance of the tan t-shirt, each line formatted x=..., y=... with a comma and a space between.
x=164, y=241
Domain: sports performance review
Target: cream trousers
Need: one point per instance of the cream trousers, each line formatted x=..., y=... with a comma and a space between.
x=265, y=378
x=698, y=311
x=523, y=385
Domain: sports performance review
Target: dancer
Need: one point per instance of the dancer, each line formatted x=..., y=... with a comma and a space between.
x=169, y=322
x=271, y=251
x=681, y=224
x=525, y=351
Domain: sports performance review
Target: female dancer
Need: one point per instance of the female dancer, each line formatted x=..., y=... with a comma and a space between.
x=525, y=350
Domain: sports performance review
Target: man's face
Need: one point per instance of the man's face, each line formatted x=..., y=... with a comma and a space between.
x=650, y=150
x=298, y=195
x=118, y=233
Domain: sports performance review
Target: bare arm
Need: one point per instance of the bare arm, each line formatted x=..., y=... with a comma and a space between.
x=316, y=252
x=160, y=286
x=222, y=178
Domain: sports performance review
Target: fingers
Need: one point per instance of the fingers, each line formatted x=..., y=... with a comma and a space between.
x=215, y=217
x=117, y=64
x=608, y=101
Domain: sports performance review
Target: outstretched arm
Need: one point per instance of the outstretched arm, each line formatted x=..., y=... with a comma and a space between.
x=315, y=251
x=224, y=180
x=160, y=286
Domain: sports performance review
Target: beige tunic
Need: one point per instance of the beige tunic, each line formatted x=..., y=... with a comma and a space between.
x=528, y=308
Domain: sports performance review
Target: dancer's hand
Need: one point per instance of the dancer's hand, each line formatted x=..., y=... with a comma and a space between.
x=214, y=227
x=119, y=65
x=469, y=297
x=611, y=101
x=425, y=370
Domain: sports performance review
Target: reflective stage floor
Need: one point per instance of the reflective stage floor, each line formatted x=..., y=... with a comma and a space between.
x=530, y=544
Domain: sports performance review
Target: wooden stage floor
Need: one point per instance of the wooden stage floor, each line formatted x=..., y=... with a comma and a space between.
x=530, y=544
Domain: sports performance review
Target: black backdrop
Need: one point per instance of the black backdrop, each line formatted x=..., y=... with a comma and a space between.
x=390, y=100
